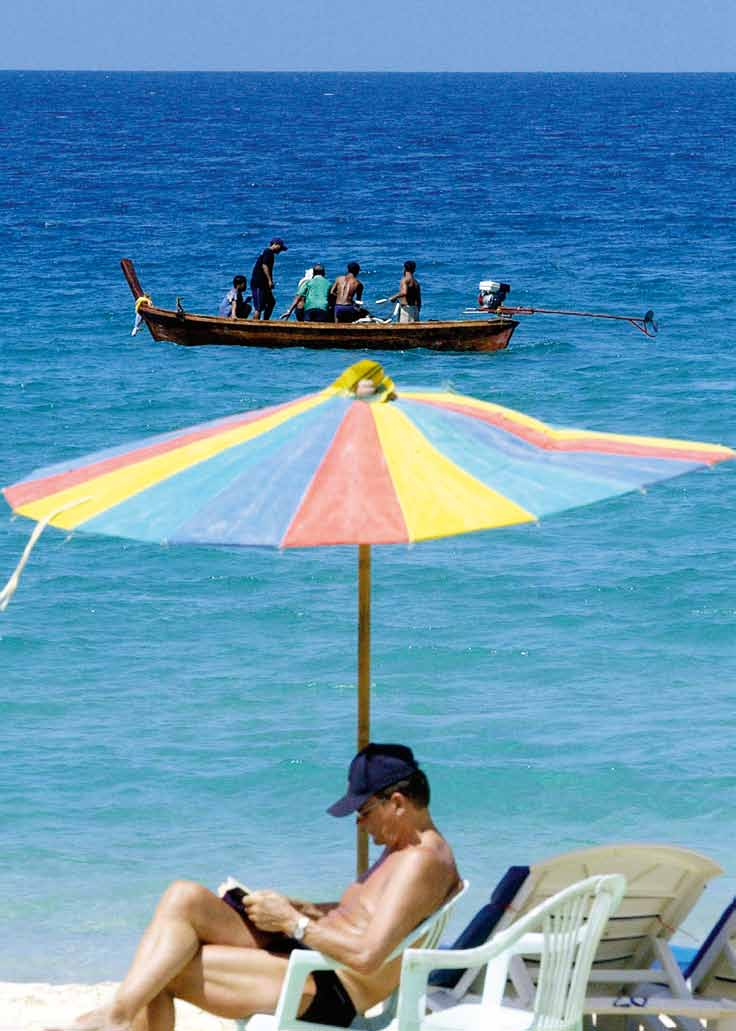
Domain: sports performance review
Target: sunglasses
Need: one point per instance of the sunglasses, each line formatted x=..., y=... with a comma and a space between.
x=370, y=805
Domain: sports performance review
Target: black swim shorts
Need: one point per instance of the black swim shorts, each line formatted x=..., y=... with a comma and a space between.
x=331, y=1003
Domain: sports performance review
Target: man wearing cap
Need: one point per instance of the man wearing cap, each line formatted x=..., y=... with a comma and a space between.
x=229, y=956
x=261, y=279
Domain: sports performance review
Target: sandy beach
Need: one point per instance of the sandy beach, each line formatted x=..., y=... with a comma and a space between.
x=34, y=1006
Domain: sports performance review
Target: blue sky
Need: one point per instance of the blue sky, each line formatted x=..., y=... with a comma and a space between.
x=401, y=35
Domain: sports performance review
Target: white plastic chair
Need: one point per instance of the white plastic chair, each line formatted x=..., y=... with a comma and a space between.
x=303, y=961
x=563, y=931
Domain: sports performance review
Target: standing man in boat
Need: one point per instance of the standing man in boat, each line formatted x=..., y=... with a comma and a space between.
x=347, y=290
x=261, y=279
x=409, y=296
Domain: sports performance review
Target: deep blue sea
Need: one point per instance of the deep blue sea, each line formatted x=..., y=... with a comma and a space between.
x=190, y=712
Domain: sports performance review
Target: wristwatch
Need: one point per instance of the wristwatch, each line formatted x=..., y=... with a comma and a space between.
x=300, y=928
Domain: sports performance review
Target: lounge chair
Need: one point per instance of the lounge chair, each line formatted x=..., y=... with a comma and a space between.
x=663, y=884
x=712, y=970
x=564, y=932
x=708, y=978
x=708, y=973
x=303, y=961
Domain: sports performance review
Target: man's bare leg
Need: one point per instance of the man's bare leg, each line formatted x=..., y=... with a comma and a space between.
x=187, y=917
x=229, y=982
x=234, y=983
x=158, y=1015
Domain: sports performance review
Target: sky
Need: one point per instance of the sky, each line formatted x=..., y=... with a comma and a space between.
x=383, y=35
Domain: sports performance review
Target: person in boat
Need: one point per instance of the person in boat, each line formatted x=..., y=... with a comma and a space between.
x=297, y=305
x=409, y=295
x=317, y=297
x=234, y=305
x=261, y=279
x=229, y=956
x=346, y=292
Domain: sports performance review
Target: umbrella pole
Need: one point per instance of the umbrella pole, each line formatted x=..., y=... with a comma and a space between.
x=364, y=678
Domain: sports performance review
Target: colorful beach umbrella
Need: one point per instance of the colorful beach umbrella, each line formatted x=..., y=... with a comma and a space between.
x=357, y=463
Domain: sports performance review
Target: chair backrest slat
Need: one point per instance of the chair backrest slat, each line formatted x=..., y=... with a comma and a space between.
x=571, y=925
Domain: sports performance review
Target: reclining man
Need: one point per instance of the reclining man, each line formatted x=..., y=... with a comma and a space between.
x=199, y=948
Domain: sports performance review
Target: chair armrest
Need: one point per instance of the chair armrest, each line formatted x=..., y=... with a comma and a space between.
x=301, y=964
x=433, y=959
x=495, y=955
x=418, y=963
x=530, y=944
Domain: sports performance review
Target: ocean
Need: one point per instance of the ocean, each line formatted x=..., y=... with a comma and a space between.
x=190, y=712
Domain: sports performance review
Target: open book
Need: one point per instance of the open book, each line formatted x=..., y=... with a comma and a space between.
x=233, y=892
x=230, y=884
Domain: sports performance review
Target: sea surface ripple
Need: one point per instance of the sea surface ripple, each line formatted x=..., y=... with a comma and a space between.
x=189, y=712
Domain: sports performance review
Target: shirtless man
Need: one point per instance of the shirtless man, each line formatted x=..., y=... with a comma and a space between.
x=409, y=295
x=233, y=963
x=345, y=291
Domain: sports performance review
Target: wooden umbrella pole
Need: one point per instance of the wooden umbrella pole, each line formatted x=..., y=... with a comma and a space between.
x=364, y=677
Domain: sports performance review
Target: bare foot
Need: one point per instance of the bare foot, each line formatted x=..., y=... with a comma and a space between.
x=95, y=1020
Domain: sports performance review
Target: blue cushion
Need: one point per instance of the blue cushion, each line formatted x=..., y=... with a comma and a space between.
x=483, y=923
x=683, y=956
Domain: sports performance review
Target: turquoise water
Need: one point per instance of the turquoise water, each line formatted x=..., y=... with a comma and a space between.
x=190, y=712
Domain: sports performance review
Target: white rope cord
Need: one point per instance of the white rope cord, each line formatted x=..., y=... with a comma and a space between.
x=10, y=587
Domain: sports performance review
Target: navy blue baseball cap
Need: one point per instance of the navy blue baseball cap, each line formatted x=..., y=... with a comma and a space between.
x=374, y=767
x=280, y=242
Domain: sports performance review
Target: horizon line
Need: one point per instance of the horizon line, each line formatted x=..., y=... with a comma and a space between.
x=368, y=71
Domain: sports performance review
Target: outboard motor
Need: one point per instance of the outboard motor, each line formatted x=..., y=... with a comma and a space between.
x=491, y=295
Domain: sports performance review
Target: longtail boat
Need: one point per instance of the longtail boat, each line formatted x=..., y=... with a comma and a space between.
x=181, y=327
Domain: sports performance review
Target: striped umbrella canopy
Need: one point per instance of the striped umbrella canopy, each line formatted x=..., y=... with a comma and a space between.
x=358, y=462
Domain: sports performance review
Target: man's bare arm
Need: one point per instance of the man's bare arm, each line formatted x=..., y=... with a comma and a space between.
x=314, y=910
x=402, y=291
x=361, y=939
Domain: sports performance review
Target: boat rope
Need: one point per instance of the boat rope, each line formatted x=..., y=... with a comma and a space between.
x=10, y=587
x=139, y=302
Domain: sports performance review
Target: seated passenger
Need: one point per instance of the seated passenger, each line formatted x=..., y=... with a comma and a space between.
x=229, y=957
x=234, y=305
x=346, y=291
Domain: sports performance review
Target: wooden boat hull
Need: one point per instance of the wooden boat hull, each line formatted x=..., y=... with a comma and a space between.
x=200, y=330
x=190, y=330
